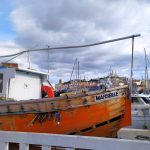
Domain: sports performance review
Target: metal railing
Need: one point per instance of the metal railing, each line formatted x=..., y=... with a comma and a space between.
x=67, y=142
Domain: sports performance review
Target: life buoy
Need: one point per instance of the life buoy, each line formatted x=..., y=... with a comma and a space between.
x=47, y=91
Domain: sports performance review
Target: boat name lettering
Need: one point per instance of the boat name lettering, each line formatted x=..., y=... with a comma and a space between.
x=108, y=95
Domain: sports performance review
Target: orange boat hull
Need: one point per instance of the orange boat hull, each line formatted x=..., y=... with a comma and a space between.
x=99, y=119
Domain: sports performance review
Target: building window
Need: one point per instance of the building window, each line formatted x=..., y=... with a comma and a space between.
x=1, y=82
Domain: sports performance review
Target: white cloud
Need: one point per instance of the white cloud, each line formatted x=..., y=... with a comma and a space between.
x=65, y=22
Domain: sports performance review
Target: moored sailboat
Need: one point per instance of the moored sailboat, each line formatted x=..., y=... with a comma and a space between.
x=140, y=111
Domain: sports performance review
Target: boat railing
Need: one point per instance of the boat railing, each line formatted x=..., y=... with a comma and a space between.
x=56, y=104
x=4, y=102
x=24, y=141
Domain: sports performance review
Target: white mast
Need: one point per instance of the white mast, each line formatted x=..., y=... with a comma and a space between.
x=146, y=74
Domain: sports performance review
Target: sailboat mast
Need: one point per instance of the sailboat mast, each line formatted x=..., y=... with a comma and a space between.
x=77, y=71
x=74, y=67
x=78, y=75
x=146, y=74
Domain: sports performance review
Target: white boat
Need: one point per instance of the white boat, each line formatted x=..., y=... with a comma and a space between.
x=140, y=111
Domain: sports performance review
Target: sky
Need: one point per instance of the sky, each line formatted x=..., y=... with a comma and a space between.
x=33, y=24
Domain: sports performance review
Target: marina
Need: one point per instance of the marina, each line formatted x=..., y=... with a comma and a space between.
x=74, y=75
x=30, y=111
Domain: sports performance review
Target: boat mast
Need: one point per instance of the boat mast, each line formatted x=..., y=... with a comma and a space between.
x=78, y=76
x=131, y=76
x=74, y=65
x=146, y=74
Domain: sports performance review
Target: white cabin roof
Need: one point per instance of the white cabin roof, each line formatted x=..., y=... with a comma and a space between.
x=32, y=71
x=18, y=68
x=140, y=95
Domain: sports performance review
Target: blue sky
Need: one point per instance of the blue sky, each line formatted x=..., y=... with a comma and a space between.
x=29, y=24
x=6, y=28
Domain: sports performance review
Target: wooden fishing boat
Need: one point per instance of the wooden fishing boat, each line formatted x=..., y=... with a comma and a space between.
x=98, y=113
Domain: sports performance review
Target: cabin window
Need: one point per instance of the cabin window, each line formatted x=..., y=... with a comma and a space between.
x=146, y=100
x=1, y=82
x=136, y=100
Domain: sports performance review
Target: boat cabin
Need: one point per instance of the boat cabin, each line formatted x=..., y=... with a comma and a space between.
x=21, y=84
x=138, y=99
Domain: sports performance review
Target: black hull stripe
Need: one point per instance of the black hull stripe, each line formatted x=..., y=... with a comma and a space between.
x=115, y=119
x=86, y=129
x=99, y=124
